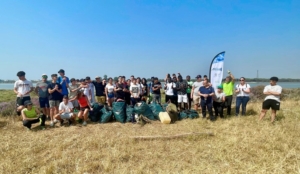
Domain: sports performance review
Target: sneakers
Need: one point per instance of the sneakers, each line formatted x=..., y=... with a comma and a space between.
x=28, y=129
x=52, y=124
x=84, y=123
x=61, y=122
x=42, y=127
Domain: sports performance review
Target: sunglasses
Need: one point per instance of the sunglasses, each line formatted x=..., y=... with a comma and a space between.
x=242, y=80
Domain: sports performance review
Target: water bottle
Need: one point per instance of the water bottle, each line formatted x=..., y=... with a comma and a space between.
x=228, y=72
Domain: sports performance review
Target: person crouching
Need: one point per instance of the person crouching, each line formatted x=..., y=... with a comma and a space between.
x=65, y=111
x=31, y=115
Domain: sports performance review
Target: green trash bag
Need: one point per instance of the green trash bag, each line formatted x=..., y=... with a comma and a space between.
x=119, y=109
x=142, y=108
x=106, y=115
x=156, y=109
x=129, y=113
x=164, y=107
x=192, y=114
x=182, y=115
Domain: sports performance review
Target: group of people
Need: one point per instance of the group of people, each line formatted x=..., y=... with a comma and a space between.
x=59, y=97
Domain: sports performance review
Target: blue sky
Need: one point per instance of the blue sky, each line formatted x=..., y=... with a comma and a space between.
x=148, y=38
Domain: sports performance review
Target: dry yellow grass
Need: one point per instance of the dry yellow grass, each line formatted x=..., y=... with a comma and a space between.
x=239, y=145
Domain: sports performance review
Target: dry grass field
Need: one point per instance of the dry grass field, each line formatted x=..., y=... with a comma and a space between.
x=239, y=145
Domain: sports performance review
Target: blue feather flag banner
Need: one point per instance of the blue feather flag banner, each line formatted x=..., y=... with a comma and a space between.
x=216, y=70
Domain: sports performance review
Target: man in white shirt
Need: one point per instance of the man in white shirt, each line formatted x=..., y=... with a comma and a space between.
x=135, y=92
x=272, y=100
x=170, y=86
x=22, y=88
x=194, y=93
x=65, y=111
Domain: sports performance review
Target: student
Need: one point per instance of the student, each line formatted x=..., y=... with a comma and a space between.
x=42, y=90
x=135, y=92
x=139, y=83
x=55, y=96
x=91, y=89
x=150, y=96
x=85, y=88
x=119, y=90
x=100, y=90
x=109, y=91
x=181, y=87
x=188, y=90
x=175, y=91
x=206, y=92
x=218, y=102
x=242, y=90
x=65, y=111
x=156, y=86
x=272, y=100
x=22, y=88
x=74, y=88
x=63, y=80
x=169, y=90
x=85, y=107
x=228, y=90
x=30, y=115
x=126, y=91
x=194, y=93
x=145, y=90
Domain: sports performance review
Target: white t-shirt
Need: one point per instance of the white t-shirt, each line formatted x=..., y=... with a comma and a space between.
x=196, y=86
x=141, y=88
x=275, y=88
x=135, y=90
x=110, y=88
x=66, y=107
x=169, y=90
x=219, y=96
x=23, y=87
x=241, y=88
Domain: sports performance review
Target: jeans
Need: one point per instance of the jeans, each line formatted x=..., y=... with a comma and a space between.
x=156, y=98
x=134, y=101
x=28, y=123
x=218, y=107
x=205, y=104
x=241, y=100
x=228, y=102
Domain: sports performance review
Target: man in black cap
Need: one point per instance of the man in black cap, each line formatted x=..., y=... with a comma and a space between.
x=22, y=88
x=272, y=100
x=64, y=81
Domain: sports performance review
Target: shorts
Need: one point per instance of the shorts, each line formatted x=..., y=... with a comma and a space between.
x=54, y=103
x=196, y=99
x=182, y=98
x=75, y=103
x=66, y=115
x=110, y=95
x=267, y=104
x=83, y=108
x=21, y=100
x=44, y=102
x=101, y=99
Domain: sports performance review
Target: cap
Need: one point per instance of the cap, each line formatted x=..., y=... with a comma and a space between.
x=87, y=78
x=27, y=102
x=61, y=71
x=220, y=87
x=21, y=73
x=198, y=76
x=274, y=79
x=97, y=77
x=44, y=76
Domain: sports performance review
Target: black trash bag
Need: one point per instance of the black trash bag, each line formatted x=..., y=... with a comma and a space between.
x=106, y=115
x=156, y=109
x=142, y=108
x=119, y=111
x=95, y=114
x=130, y=114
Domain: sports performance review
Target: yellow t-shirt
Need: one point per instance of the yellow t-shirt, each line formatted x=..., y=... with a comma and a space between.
x=228, y=88
x=30, y=113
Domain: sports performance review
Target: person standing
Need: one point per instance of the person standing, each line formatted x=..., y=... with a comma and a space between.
x=64, y=81
x=156, y=86
x=74, y=88
x=169, y=90
x=242, y=90
x=42, y=91
x=109, y=91
x=272, y=100
x=194, y=93
x=228, y=87
x=206, y=92
x=22, y=88
x=150, y=96
x=135, y=91
x=188, y=90
x=100, y=90
x=175, y=96
x=218, y=103
x=55, y=96
x=145, y=90
x=181, y=87
x=91, y=89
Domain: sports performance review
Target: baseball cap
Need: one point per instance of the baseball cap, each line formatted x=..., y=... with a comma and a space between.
x=97, y=77
x=44, y=76
x=54, y=75
x=274, y=79
x=220, y=87
x=198, y=76
x=27, y=102
x=61, y=71
x=87, y=78
x=21, y=73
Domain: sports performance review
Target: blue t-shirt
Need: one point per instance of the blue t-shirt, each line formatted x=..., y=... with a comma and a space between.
x=204, y=90
x=63, y=85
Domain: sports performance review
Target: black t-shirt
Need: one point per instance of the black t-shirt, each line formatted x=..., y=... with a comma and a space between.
x=100, y=88
x=55, y=95
x=157, y=91
x=146, y=89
